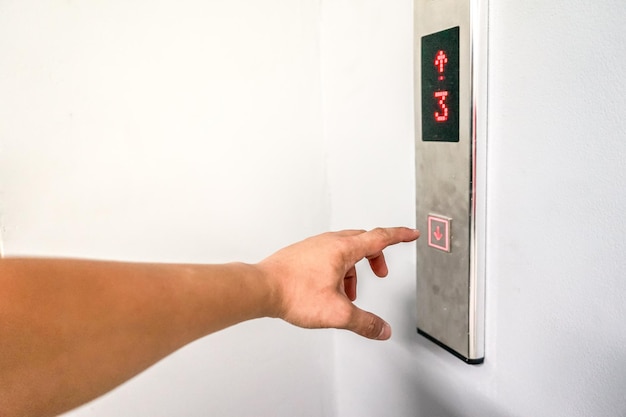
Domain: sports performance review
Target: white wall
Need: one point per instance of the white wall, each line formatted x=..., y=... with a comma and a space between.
x=556, y=265
x=172, y=131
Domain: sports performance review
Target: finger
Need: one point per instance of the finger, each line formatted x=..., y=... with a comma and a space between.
x=369, y=325
x=350, y=282
x=370, y=244
x=378, y=265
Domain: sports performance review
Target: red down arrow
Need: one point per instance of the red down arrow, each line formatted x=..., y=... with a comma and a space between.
x=438, y=235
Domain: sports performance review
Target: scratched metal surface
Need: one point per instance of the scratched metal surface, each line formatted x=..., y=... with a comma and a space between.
x=443, y=187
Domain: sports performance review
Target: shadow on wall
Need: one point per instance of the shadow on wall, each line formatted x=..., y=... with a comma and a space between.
x=433, y=396
x=428, y=403
x=424, y=370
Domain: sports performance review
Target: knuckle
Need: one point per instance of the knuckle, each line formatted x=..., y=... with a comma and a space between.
x=342, y=245
x=371, y=327
x=381, y=233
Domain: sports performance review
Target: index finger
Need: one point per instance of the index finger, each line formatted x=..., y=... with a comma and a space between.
x=371, y=244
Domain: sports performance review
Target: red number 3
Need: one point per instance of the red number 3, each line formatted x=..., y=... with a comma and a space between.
x=441, y=116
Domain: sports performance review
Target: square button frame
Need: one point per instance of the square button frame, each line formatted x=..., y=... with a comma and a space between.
x=433, y=243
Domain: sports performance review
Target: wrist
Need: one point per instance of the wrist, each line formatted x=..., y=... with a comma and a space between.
x=260, y=285
x=268, y=280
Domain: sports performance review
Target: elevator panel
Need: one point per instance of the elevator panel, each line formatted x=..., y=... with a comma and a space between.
x=450, y=159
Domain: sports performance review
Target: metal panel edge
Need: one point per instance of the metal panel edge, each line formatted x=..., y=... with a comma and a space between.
x=479, y=12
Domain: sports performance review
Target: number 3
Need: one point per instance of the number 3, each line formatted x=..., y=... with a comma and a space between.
x=443, y=116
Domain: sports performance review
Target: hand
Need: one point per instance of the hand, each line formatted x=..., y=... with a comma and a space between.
x=315, y=280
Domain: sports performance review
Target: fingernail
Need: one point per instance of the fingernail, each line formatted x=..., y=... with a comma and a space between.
x=385, y=332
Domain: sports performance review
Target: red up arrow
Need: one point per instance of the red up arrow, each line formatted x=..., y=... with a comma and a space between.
x=438, y=235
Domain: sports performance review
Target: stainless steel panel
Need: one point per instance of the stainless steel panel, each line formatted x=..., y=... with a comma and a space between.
x=450, y=183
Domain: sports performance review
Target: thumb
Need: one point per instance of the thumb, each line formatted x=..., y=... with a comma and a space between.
x=369, y=325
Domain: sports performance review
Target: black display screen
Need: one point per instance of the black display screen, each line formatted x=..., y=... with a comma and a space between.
x=440, y=86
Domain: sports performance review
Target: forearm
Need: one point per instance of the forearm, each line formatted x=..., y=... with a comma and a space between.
x=72, y=330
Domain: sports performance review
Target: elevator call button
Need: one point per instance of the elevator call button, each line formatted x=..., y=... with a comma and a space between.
x=439, y=232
